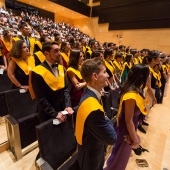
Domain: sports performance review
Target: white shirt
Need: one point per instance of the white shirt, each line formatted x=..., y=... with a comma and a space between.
x=98, y=94
x=55, y=69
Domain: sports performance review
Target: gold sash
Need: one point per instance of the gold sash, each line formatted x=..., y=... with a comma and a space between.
x=76, y=72
x=84, y=110
x=40, y=56
x=55, y=83
x=39, y=44
x=153, y=72
x=117, y=65
x=109, y=67
x=7, y=44
x=140, y=102
x=23, y=65
x=124, y=66
x=65, y=57
x=32, y=43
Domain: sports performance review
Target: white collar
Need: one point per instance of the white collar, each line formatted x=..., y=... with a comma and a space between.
x=98, y=94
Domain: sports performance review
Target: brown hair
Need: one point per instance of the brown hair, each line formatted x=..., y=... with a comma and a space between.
x=91, y=66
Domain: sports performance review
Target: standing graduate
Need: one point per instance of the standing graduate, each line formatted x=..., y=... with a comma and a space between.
x=131, y=106
x=93, y=129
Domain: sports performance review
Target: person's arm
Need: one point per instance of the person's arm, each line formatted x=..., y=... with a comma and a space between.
x=74, y=80
x=129, y=113
x=11, y=70
x=148, y=84
x=5, y=62
x=101, y=127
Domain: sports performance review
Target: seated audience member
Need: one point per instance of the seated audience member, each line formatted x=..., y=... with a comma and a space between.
x=93, y=129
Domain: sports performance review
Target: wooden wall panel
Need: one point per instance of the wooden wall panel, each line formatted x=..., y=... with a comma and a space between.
x=158, y=39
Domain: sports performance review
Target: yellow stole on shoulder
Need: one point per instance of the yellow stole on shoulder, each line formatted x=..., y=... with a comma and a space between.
x=76, y=72
x=7, y=44
x=16, y=38
x=124, y=66
x=140, y=102
x=65, y=57
x=110, y=67
x=153, y=72
x=136, y=61
x=140, y=60
x=83, y=111
x=40, y=56
x=32, y=43
x=55, y=83
x=164, y=68
x=117, y=65
x=39, y=44
x=23, y=65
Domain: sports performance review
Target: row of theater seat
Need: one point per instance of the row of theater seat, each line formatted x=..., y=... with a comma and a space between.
x=57, y=143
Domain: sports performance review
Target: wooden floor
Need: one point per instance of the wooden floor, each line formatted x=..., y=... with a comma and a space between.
x=156, y=140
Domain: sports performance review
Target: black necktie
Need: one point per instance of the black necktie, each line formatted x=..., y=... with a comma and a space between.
x=54, y=65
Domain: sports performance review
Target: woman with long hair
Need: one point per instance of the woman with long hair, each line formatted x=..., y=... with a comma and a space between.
x=20, y=63
x=65, y=53
x=127, y=65
x=132, y=104
x=164, y=75
x=6, y=41
x=75, y=79
x=3, y=60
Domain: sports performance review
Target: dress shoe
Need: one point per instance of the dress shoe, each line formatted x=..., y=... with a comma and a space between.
x=141, y=129
x=144, y=123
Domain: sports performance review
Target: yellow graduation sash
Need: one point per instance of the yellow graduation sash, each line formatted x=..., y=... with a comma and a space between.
x=55, y=83
x=76, y=72
x=7, y=44
x=40, y=56
x=117, y=65
x=164, y=68
x=39, y=44
x=140, y=102
x=124, y=66
x=136, y=61
x=32, y=43
x=153, y=72
x=65, y=57
x=16, y=38
x=83, y=111
x=23, y=65
x=109, y=67
x=140, y=60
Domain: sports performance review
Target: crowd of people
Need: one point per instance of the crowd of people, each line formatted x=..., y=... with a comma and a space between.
x=64, y=68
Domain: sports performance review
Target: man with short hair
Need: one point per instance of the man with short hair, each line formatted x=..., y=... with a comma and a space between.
x=93, y=128
x=49, y=85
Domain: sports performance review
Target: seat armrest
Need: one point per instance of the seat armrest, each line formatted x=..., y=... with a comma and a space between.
x=11, y=120
x=43, y=165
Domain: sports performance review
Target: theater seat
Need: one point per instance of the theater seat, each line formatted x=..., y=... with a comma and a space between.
x=21, y=121
x=4, y=106
x=57, y=146
x=5, y=83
